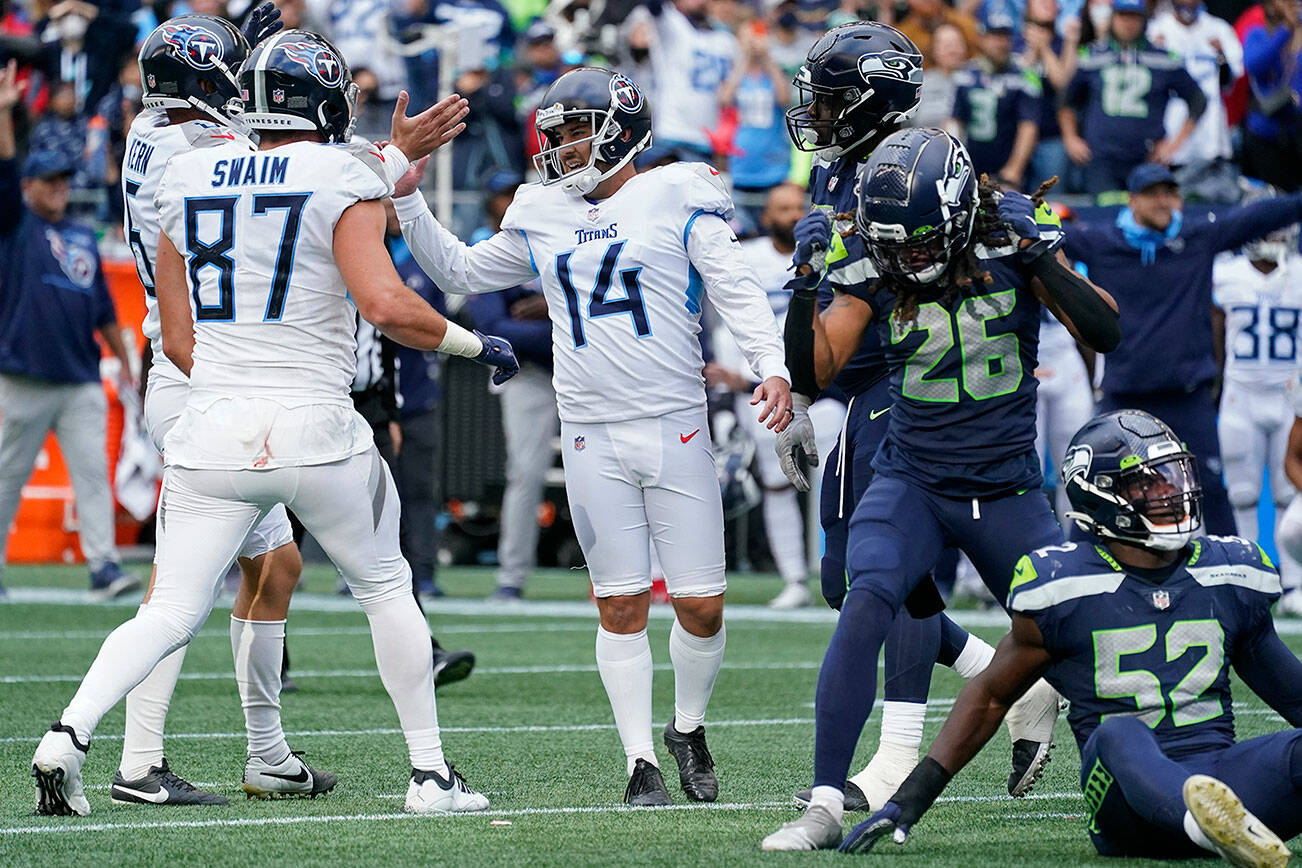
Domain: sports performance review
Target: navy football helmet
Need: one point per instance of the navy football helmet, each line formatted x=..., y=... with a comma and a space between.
x=191, y=62
x=1129, y=478
x=917, y=204
x=861, y=81
x=297, y=80
x=619, y=117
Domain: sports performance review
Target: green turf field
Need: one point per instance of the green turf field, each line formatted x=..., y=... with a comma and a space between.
x=531, y=728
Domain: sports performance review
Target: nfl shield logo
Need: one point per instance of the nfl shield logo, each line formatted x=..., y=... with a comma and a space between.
x=594, y=214
x=831, y=183
x=580, y=444
x=278, y=95
x=1161, y=599
x=153, y=82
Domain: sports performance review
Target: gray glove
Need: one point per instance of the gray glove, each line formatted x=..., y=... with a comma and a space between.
x=795, y=441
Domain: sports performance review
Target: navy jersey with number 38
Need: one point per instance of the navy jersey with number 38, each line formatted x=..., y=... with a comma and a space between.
x=1159, y=651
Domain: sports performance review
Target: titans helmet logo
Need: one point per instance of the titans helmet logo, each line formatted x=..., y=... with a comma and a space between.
x=625, y=94
x=197, y=46
x=321, y=62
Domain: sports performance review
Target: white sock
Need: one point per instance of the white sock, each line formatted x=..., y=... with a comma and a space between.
x=902, y=722
x=831, y=799
x=258, y=648
x=142, y=743
x=624, y=661
x=786, y=534
x=975, y=656
x=1196, y=834
x=696, y=661
x=405, y=658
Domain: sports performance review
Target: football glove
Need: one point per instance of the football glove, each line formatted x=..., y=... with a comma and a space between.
x=1017, y=214
x=813, y=236
x=498, y=354
x=865, y=836
x=262, y=22
x=795, y=441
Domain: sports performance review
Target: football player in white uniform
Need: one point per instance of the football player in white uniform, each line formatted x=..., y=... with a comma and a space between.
x=1064, y=398
x=769, y=258
x=276, y=242
x=1260, y=292
x=625, y=260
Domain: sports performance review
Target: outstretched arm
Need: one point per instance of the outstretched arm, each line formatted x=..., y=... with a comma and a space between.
x=495, y=263
x=1088, y=311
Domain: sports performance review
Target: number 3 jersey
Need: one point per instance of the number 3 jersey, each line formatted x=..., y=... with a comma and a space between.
x=274, y=354
x=1159, y=649
x=624, y=278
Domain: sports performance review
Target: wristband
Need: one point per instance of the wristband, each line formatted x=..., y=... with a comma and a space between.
x=459, y=342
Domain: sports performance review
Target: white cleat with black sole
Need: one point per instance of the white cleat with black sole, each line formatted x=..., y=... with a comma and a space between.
x=431, y=793
x=1235, y=833
x=290, y=778
x=56, y=766
x=1030, y=722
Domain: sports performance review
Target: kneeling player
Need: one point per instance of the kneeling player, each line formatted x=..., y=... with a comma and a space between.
x=1139, y=631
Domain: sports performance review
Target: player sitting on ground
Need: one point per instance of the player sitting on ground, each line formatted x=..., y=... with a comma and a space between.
x=1138, y=628
x=280, y=243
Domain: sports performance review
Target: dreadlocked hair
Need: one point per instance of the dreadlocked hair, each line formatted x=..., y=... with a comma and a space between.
x=965, y=269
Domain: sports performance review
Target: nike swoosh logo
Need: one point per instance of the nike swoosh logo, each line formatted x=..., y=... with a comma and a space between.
x=689, y=436
x=300, y=778
x=157, y=797
x=873, y=414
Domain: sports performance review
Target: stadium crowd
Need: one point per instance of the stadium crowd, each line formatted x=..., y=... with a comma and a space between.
x=1089, y=91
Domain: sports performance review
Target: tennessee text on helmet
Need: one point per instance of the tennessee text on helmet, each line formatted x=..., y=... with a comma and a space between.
x=617, y=115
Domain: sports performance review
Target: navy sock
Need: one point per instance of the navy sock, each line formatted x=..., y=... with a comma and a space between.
x=911, y=649
x=847, y=684
x=1151, y=782
x=953, y=639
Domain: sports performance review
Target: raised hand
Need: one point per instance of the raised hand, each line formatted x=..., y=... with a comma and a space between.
x=813, y=236
x=10, y=91
x=428, y=131
x=262, y=22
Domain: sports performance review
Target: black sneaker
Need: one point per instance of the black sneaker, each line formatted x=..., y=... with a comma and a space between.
x=451, y=666
x=855, y=800
x=646, y=787
x=161, y=786
x=695, y=765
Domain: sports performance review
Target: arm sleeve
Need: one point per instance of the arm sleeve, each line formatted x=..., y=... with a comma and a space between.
x=496, y=263
x=11, y=197
x=531, y=339
x=1238, y=226
x=736, y=294
x=1271, y=670
x=1183, y=85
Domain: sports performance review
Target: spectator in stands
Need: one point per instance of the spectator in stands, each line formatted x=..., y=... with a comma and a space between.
x=997, y=104
x=1213, y=57
x=759, y=91
x=529, y=418
x=374, y=116
x=1053, y=59
x=83, y=45
x=1157, y=263
x=691, y=57
x=789, y=40
x=53, y=301
x=360, y=30
x=939, y=77
x=1272, y=135
x=1113, y=110
x=493, y=139
x=926, y=15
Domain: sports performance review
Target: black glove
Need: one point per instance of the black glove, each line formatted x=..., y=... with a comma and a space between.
x=262, y=22
x=498, y=354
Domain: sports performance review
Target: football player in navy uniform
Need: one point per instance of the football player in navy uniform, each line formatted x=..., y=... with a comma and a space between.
x=959, y=305
x=1139, y=627
x=860, y=83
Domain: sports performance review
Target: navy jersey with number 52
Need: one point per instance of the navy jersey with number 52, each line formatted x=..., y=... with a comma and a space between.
x=1160, y=651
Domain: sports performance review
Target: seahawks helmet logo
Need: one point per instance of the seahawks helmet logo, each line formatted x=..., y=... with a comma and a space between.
x=320, y=61
x=890, y=64
x=197, y=46
x=1078, y=462
x=625, y=94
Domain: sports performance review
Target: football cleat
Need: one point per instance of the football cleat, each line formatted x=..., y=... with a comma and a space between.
x=111, y=581
x=815, y=829
x=506, y=594
x=1030, y=721
x=451, y=666
x=855, y=800
x=431, y=793
x=793, y=596
x=695, y=765
x=161, y=786
x=1237, y=835
x=884, y=773
x=57, y=769
x=290, y=778
x=646, y=787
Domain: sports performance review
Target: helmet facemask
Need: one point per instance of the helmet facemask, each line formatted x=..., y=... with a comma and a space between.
x=923, y=257
x=550, y=163
x=1156, y=504
x=820, y=121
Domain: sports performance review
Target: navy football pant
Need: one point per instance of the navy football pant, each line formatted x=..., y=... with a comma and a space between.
x=896, y=536
x=914, y=645
x=1192, y=416
x=1132, y=789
